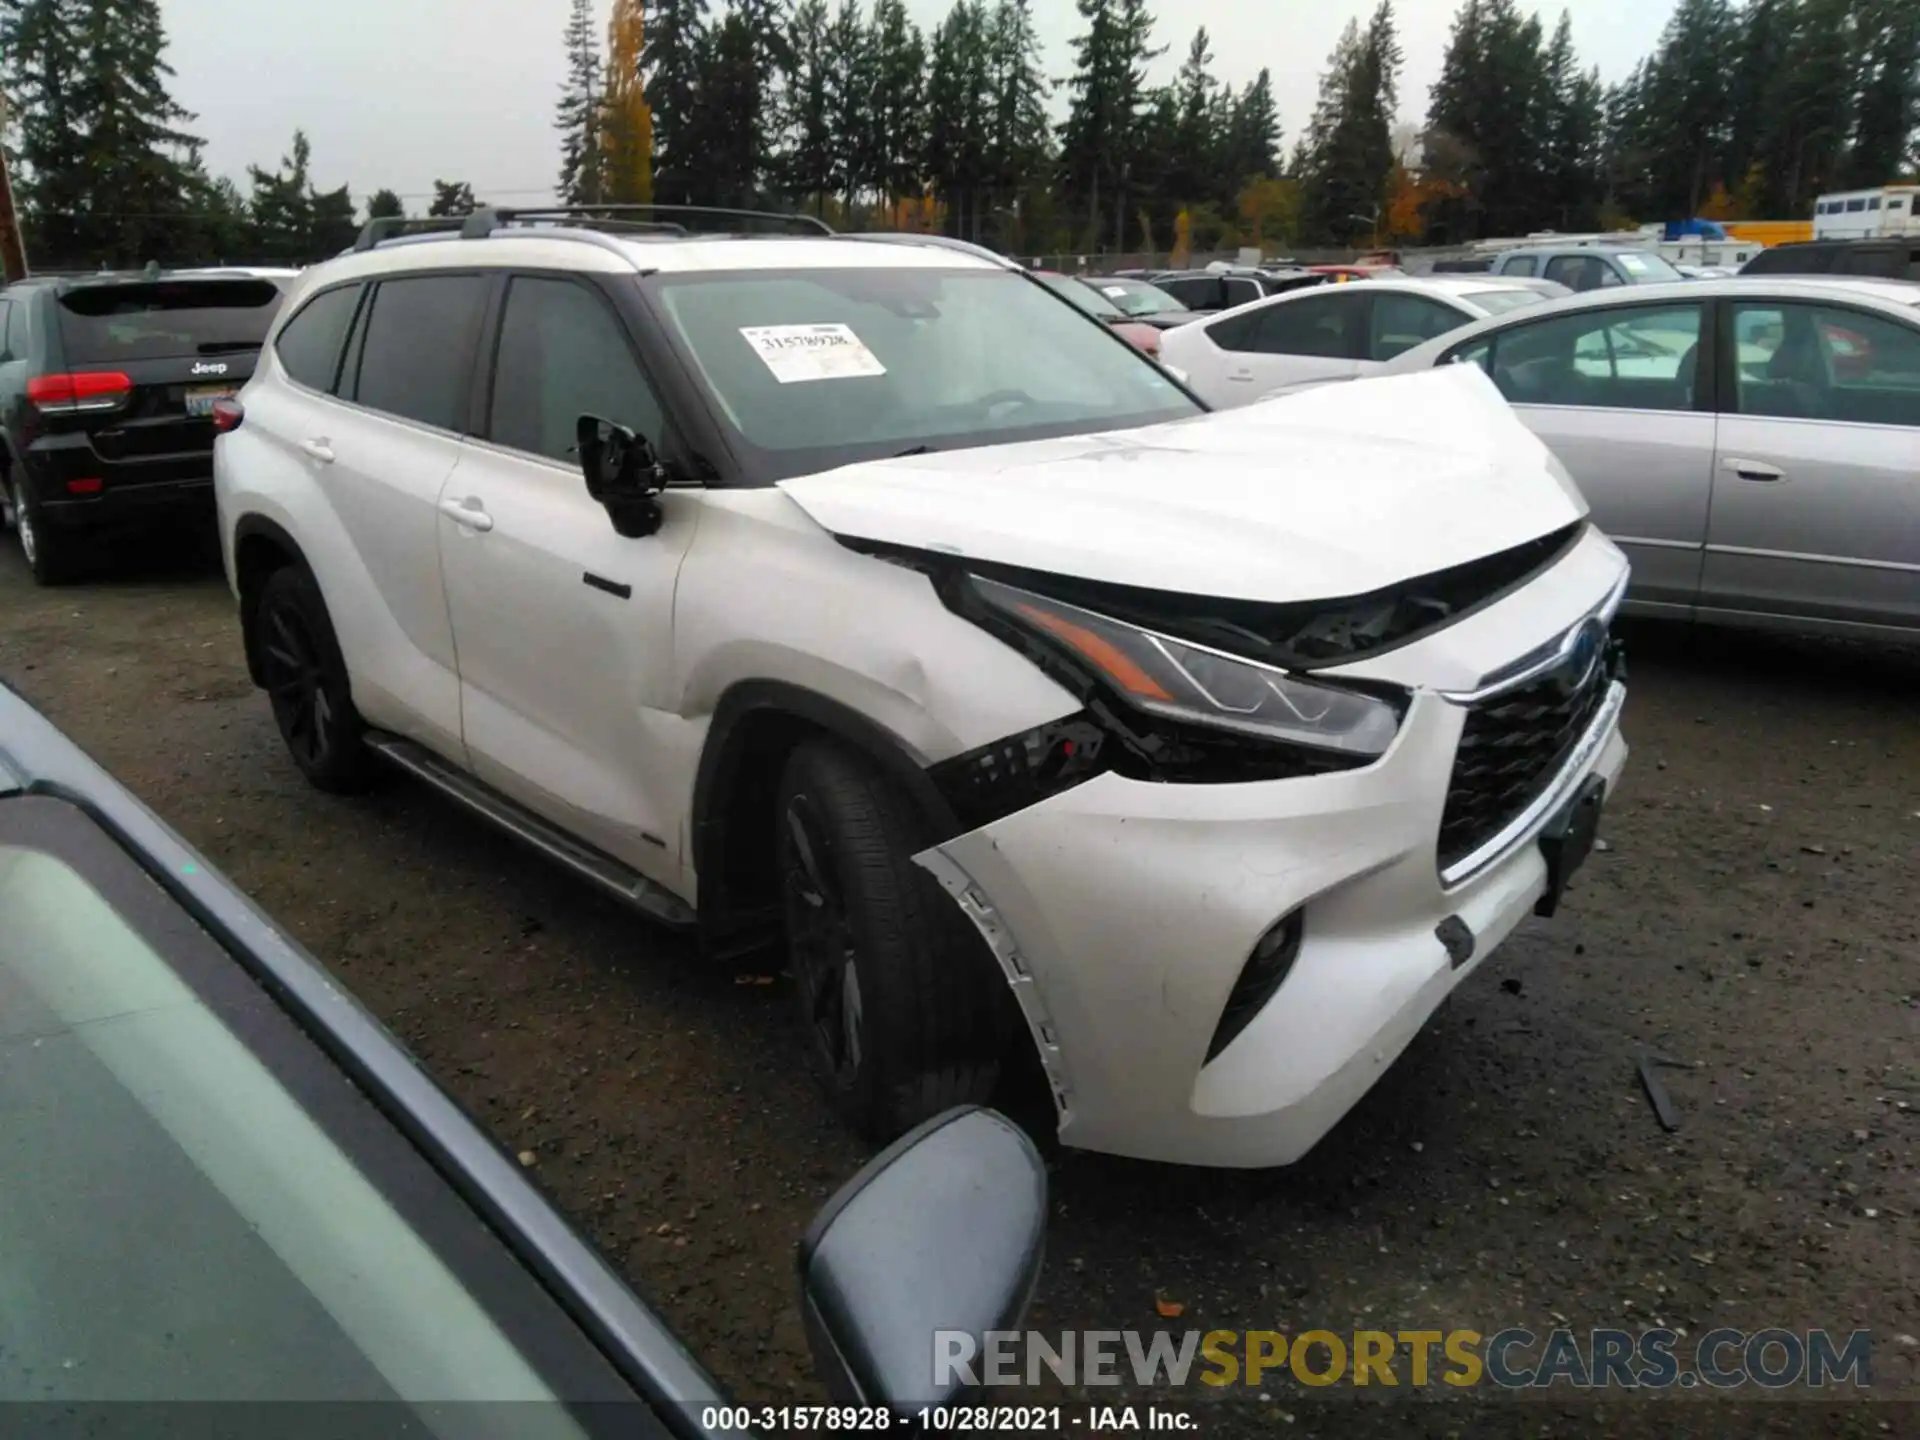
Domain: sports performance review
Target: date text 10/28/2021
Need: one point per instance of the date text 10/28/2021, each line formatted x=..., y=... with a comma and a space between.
x=955, y=1419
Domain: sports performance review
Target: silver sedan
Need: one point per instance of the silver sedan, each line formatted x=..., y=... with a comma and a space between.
x=1753, y=444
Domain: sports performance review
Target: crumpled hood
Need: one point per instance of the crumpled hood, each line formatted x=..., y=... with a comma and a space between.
x=1329, y=492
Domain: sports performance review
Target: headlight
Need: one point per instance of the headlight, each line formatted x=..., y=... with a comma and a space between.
x=1172, y=678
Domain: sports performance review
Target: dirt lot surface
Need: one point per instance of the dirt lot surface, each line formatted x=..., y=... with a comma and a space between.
x=1755, y=913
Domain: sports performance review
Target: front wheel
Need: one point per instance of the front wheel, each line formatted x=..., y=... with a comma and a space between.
x=902, y=1011
x=306, y=681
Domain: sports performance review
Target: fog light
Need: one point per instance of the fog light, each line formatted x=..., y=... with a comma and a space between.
x=1266, y=968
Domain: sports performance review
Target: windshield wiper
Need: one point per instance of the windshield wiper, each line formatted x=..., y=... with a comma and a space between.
x=911, y=450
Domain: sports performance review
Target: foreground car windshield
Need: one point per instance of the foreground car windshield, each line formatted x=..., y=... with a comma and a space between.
x=1137, y=297
x=817, y=368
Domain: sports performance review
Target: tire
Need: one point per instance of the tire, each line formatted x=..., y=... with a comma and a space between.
x=306, y=682
x=53, y=556
x=902, y=1011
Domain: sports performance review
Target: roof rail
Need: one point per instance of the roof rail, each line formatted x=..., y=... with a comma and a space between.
x=484, y=222
x=387, y=227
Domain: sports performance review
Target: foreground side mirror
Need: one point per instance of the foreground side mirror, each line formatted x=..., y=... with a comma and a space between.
x=937, y=1241
x=623, y=475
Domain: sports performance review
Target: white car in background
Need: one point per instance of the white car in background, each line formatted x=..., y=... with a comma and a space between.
x=867, y=601
x=1335, y=332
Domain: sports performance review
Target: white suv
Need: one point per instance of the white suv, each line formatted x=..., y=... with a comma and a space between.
x=907, y=615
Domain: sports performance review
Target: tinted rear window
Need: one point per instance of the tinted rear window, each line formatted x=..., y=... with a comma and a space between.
x=157, y=320
x=419, y=338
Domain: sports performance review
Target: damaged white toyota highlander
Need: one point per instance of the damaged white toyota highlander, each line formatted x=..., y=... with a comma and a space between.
x=873, y=601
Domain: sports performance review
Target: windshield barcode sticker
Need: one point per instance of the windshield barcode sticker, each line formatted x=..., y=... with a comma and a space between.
x=796, y=353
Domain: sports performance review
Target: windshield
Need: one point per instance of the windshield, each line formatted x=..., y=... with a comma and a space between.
x=199, y=1207
x=1084, y=296
x=1136, y=297
x=1498, y=302
x=812, y=369
x=158, y=320
x=1644, y=265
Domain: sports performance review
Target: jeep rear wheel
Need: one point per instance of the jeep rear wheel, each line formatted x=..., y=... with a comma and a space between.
x=306, y=680
x=901, y=1009
x=52, y=555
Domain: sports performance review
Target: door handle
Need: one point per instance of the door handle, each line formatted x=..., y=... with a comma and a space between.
x=467, y=512
x=320, y=449
x=1753, y=469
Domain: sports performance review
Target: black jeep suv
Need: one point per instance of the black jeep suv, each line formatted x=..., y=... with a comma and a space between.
x=107, y=391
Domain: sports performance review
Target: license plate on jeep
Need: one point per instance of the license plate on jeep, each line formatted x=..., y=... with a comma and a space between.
x=1568, y=840
x=202, y=398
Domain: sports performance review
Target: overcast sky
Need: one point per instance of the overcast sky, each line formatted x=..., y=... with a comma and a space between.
x=396, y=93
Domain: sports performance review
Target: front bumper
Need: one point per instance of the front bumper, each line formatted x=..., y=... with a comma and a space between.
x=1123, y=912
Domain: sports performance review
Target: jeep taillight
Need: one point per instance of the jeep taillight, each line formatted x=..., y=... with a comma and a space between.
x=81, y=392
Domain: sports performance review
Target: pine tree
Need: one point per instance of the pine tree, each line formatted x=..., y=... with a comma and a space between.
x=1573, y=137
x=450, y=197
x=577, y=116
x=1889, y=106
x=40, y=55
x=106, y=169
x=896, y=118
x=1102, y=129
x=736, y=115
x=959, y=99
x=671, y=62
x=806, y=165
x=1487, y=125
x=1020, y=140
x=619, y=167
x=1197, y=168
x=849, y=99
x=282, y=207
x=334, y=227
x=1348, y=157
x=385, y=205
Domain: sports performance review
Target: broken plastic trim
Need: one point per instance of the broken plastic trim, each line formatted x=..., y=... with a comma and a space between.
x=1005, y=776
x=1299, y=636
x=980, y=912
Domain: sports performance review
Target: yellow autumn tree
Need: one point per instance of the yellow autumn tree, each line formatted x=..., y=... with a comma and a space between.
x=626, y=137
x=1182, y=254
x=1409, y=193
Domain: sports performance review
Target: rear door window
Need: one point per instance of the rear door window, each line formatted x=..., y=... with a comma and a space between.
x=309, y=344
x=164, y=319
x=1819, y=362
x=1329, y=326
x=1519, y=265
x=1239, y=292
x=1196, y=292
x=416, y=352
x=1401, y=322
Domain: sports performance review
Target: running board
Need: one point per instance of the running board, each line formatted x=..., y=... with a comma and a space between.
x=623, y=883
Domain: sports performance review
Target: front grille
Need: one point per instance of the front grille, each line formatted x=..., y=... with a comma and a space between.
x=1511, y=748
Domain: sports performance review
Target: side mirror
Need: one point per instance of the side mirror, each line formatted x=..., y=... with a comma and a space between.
x=623, y=475
x=937, y=1241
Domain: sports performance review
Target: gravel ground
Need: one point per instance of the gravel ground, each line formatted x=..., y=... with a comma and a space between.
x=1755, y=914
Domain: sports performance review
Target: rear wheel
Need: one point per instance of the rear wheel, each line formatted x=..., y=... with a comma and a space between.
x=53, y=555
x=902, y=1012
x=306, y=681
